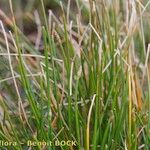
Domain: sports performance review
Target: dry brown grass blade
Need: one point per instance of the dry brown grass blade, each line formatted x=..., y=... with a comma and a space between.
x=5, y=18
x=54, y=122
x=138, y=91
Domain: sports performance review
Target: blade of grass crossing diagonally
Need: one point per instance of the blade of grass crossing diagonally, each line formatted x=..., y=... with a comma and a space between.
x=22, y=69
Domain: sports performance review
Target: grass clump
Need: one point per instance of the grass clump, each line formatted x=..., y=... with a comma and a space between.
x=80, y=80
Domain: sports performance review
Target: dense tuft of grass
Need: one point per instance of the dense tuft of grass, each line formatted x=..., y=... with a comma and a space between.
x=81, y=77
